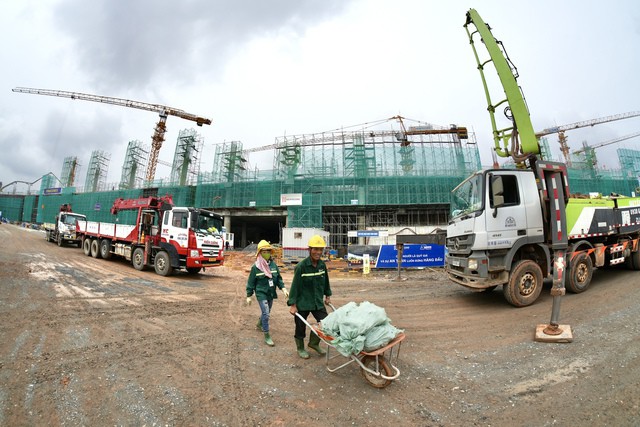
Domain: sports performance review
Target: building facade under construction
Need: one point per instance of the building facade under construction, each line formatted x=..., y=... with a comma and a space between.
x=371, y=178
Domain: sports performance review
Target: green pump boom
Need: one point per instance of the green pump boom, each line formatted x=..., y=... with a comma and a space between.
x=520, y=135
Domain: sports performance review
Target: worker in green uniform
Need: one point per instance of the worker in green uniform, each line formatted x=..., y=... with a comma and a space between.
x=263, y=280
x=309, y=286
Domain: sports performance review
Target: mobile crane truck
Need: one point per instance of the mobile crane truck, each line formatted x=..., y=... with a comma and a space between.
x=63, y=230
x=164, y=236
x=516, y=227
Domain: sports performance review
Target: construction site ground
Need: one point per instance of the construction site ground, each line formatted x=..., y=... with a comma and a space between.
x=86, y=341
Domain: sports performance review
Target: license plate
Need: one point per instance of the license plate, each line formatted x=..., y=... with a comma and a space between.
x=455, y=262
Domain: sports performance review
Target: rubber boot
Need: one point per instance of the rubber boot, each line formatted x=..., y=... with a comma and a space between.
x=301, y=351
x=314, y=343
x=267, y=339
x=259, y=325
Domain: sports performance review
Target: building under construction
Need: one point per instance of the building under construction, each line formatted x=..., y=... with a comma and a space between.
x=375, y=177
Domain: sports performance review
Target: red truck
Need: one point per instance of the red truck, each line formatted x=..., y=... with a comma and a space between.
x=164, y=236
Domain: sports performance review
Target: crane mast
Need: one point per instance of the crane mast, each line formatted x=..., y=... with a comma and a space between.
x=158, y=135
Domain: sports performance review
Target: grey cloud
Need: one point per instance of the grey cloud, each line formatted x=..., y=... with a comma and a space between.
x=132, y=44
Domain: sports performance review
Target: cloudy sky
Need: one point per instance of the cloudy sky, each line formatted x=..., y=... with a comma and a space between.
x=264, y=69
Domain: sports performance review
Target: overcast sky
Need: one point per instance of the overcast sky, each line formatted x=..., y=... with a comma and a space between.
x=264, y=69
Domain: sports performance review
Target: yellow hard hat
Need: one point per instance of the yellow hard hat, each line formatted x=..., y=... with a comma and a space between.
x=263, y=245
x=317, y=242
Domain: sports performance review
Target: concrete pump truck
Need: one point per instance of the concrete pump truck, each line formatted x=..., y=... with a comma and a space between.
x=517, y=227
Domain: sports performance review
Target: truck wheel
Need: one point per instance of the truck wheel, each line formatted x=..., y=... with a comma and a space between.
x=60, y=241
x=633, y=261
x=137, y=259
x=105, y=248
x=194, y=270
x=580, y=273
x=525, y=284
x=162, y=264
x=95, y=248
x=86, y=246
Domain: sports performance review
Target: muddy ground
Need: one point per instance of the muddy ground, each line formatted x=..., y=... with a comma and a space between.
x=86, y=341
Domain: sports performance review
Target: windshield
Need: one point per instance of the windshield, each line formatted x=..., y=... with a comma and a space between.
x=208, y=222
x=467, y=197
x=70, y=219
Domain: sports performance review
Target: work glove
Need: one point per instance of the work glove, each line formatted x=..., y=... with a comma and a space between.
x=285, y=292
x=248, y=301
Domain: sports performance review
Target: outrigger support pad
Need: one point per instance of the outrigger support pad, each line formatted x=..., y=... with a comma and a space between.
x=554, y=333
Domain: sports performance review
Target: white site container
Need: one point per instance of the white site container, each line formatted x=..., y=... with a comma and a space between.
x=295, y=242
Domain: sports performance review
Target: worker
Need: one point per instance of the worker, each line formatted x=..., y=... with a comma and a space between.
x=263, y=280
x=310, y=284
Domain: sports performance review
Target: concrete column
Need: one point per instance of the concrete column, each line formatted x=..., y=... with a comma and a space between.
x=361, y=226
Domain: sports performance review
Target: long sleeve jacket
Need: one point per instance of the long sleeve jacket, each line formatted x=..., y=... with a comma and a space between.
x=309, y=286
x=260, y=284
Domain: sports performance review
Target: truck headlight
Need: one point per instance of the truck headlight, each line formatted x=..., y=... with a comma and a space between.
x=473, y=264
x=194, y=253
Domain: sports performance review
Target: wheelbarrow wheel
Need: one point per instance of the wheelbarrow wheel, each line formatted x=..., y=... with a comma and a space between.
x=370, y=363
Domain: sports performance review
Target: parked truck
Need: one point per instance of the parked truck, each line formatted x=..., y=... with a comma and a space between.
x=63, y=229
x=517, y=227
x=162, y=236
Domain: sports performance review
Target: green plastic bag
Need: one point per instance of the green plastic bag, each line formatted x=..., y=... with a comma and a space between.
x=356, y=327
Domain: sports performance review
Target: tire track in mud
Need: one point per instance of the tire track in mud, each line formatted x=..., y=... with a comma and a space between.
x=236, y=387
x=108, y=353
x=236, y=302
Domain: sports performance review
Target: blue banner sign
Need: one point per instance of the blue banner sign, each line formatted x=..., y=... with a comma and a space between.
x=48, y=191
x=413, y=255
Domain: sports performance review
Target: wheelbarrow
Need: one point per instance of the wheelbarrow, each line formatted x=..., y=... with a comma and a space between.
x=378, y=367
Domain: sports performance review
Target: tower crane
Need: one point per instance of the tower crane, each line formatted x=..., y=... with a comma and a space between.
x=158, y=135
x=602, y=144
x=404, y=141
x=460, y=131
x=562, y=139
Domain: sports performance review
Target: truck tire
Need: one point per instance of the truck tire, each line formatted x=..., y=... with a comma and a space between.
x=162, y=264
x=86, y=246
x=525, y=284
x=105, y=248
x=60, y=241
x=580, y=273
x=95, y=248
x=137, y=259
x=633, y=261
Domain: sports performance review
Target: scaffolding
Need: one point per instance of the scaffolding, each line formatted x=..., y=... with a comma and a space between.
x=69, y=170
x=97, y=171
x=186, y=166
x=229, y=163
x=135, y=165
x=348, y=180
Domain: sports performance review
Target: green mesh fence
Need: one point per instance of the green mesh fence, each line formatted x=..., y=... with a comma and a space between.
x=11, y=207
x=330, y=178
x=30, y=209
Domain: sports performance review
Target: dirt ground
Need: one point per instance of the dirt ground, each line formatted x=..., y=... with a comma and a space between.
x=86, y=341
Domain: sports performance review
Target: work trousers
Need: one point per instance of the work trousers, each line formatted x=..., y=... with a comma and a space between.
x=301, y=328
